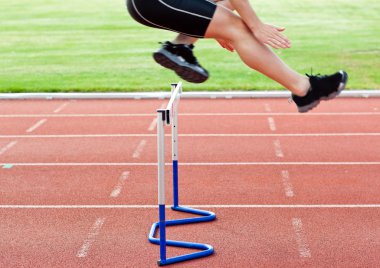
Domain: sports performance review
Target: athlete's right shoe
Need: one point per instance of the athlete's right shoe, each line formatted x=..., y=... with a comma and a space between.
x=324, y=87
x=180, y=58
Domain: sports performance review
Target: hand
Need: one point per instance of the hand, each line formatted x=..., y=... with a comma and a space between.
x=225, y=44
x=272, y=36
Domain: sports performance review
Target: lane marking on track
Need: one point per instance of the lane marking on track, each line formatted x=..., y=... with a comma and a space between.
x=139, y=149
x=194, y=135
x=153, y=125
x=7, y=166
x=36, y=125
x=272, y=124
x=94, y=231
x=201, y=164
x=288, y=187
x=267, y=107
x=303, y=247
x=265, y=206
x=277, y=148
x=193, y=114
x=60, y=108
x=7, y=147
x=117, y=190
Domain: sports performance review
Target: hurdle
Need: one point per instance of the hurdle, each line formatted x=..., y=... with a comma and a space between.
x=166, y=117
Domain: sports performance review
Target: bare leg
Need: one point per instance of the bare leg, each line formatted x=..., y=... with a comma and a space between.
x=184, y=39
x=228, y=26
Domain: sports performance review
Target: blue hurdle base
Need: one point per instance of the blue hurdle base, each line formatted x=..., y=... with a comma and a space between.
x=206, y=250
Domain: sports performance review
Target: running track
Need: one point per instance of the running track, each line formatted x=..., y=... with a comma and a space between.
x=78, y=182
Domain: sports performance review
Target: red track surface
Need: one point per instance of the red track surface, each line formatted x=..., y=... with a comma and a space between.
x=77, y=157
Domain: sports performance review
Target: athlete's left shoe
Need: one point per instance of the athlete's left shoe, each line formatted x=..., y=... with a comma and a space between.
x=324, y=87
x=180, y=58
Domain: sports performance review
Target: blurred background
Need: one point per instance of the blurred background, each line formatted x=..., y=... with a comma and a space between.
x=77, y=45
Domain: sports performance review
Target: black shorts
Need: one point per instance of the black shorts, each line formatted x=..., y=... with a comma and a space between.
x=189, y=17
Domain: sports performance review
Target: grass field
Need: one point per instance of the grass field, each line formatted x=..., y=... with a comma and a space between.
x=77, y=45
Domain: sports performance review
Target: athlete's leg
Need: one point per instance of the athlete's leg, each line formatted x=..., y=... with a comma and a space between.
x=188, y=40
x=178, y=55
x=228, y=26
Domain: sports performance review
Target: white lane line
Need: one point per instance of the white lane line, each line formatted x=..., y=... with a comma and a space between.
x=7, y=147
x=94, y=231
x=60, y=108
x=265, y=206
x=272, y=124
x=152, y=125
x=267, y=107
x=117, y=190
x=303, y=247
x=194, y=135
x=288, y=187
x=192, y=114
x=36, y=125
x=139, y=149
x=154, y=164
x=277, y=148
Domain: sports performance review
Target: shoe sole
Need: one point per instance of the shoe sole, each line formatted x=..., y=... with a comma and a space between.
x=342, y=86
x=167, y=60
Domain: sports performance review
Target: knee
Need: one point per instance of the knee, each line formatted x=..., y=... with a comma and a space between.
x=227, y=25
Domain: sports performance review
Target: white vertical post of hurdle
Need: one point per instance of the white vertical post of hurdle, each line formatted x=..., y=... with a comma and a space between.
x=161, y=182
x=174, y=124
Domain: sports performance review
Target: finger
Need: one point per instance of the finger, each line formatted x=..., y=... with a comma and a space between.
x=278, y=43
x=270, y=43
x=279, y=28
x=221, y=43
x=282, y=39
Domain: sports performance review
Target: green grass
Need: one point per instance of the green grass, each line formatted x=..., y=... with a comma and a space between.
x=77, y=45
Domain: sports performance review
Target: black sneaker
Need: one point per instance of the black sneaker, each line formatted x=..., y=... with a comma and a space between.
x=324, y=87
x=180, y=58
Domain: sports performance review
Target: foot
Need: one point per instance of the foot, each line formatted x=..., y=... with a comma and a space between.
x=180, y=58
x=324, y=87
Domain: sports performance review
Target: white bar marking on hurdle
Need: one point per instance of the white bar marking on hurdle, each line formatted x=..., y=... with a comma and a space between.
x=117, y=190
x=37, y=125
x=303, y=247
x=264, y=206
x=139, y=149
x=60, y=108
x=267, y=107
x=272, y=124
x=161, y=159
x=94, y=231
x=288, y=187
x=277, y=148
x=7, y=147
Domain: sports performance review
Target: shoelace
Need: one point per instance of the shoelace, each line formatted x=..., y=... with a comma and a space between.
x=317, y=76
x=186, y=51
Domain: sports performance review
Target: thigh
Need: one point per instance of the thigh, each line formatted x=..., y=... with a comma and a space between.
x=189, y=17
x=226, y=25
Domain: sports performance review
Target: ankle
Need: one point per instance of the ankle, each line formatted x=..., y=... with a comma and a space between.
x=302, y=87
